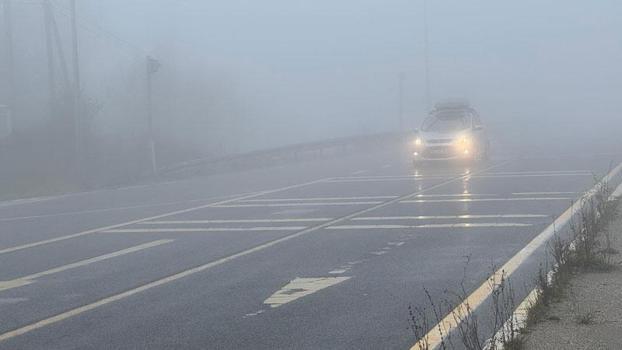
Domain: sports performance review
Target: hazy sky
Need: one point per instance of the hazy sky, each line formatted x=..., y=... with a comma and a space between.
x=304, y=70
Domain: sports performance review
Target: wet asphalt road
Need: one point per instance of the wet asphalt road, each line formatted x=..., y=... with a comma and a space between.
x=316, y=255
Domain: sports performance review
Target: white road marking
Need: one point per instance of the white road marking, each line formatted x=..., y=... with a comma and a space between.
x=88, y=232
x=254, y=313
x=295, y=211
x=397, y=244
x=533, y=175
x=436, y=334
x=102, y=210
x=316, y=199
x=359, y=172
x=454, y=195
x=346, y=180
x=449, y=217
x=379, y=252
x=542, y=193
x=4, y=301
x=20, y=201
x=338, y=271
x=545, y=172
x=455, y=225
x=25, y=280
x=475, y=224
x=300, y=287
x=486, y=199
x=420, y=177
x=169, y=279
x=232, y=221
x=310, y=204
x=205, y=229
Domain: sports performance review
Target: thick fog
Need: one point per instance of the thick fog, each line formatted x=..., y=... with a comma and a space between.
x=245, y=75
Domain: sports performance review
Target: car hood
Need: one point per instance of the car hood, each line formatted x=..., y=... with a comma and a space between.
x=441, y=136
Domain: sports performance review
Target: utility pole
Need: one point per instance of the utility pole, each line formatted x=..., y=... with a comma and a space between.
x=400, y=107
x=153, y=66
x=50, y=59
x=8, y=31
x=427, y=55
x=61, y=53
x=77, y=88
x=76, y=58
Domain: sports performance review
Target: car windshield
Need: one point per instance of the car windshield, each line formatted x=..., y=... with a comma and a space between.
x=445, y=122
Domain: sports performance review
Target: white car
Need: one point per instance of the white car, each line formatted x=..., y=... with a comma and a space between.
x=454, y=132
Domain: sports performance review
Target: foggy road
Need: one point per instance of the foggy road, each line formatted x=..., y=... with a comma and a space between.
x=320, y=254
x=302, y=174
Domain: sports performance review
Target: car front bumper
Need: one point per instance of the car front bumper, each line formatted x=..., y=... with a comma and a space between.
x=442, y=153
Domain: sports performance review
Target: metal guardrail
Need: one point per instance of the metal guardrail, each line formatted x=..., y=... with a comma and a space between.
x=281, y=154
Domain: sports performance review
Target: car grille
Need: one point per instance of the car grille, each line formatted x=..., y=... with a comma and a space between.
x=438, y=152
x=439, y=141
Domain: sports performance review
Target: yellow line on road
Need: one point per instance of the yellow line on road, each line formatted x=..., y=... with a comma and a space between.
x=435, y=336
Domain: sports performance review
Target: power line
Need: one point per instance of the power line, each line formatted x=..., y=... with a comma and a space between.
x=98, y=30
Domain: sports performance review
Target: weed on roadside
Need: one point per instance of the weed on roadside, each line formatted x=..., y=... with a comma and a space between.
x=586, y=318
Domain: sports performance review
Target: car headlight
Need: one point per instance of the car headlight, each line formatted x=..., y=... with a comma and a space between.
x=463, y=141
x=418, y=141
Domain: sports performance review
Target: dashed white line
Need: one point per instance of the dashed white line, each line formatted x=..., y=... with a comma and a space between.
x=254, y=313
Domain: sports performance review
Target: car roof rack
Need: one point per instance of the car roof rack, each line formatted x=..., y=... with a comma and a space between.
x=452, y=104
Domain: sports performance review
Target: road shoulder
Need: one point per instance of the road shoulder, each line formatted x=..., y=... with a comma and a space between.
x=588, y=316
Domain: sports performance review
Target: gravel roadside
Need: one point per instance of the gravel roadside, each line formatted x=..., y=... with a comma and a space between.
x=589, y=316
